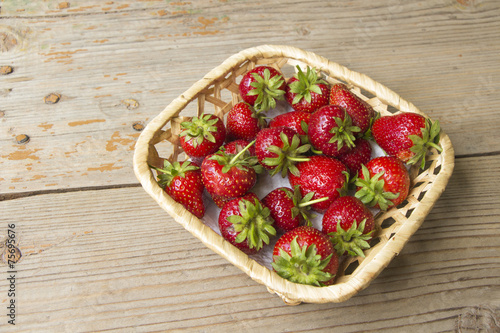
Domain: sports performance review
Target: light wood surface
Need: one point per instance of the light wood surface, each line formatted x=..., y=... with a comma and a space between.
x=98, y=254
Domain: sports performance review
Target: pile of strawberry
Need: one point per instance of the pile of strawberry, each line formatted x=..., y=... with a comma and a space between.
x=322, y=146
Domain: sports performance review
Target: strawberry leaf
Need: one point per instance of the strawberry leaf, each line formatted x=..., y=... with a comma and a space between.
x=254, y=225
x=199, y=129
x=305, y=84
x=371, y=190
x=421, y=145
x=267, y=89
x=303, y=266
x=353, y=240
x=286, y=156
x=242, y=160
x=343, y=133
x=172, y=170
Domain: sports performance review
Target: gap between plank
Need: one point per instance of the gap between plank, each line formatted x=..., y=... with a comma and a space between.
x=11, y=196
x=493, y=153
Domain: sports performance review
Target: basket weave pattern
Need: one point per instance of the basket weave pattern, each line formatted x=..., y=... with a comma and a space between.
x=216, y=93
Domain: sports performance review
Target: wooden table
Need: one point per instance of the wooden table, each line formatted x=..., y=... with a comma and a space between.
x=79, y=79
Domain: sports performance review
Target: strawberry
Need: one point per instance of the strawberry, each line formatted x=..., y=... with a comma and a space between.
x=234, y=147
x=323, y=175
x=261, y=87
x=288, y=208
x=349, y=224
x=227, y=176
x=331, y=131
x=383, y=182
x=243, y=122
x=305, y=255
x=278, y=149
x=202, y=135
x=360, y=154
x=407, y=136
x=306, y=91
x=296, y=120
x=183, y=182
x=219, y=200
x=361, y=113
x=246, y=223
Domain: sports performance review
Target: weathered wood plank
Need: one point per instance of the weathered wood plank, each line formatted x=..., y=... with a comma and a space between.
x=113, y=260
x=120, y=62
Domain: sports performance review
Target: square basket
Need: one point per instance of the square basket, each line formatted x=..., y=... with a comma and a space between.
x=216, y=93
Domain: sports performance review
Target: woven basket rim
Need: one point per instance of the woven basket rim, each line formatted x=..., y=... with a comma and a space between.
x=291, y=293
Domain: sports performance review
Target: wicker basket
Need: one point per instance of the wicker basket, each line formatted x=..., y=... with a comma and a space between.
x=216, y=93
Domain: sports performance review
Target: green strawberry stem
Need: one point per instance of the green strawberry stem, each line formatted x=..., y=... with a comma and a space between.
x=287, y=156
x=352, y=240
x=312, y=202
x=434, y=145
x=372, y=192
x=303, y=266
x=254, y=225
x=238, y=160
x=316, y=151
x=345, y=187
x=240, y=153
x=302, y=204
x=430, y=138
x=368, y=134
x=298, y=159
x=261, y=117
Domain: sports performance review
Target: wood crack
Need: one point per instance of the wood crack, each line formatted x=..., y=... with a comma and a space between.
x=80, y=14
x=493, y=153
x=11, y=196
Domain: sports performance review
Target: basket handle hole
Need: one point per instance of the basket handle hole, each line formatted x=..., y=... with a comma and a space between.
x=351, y=267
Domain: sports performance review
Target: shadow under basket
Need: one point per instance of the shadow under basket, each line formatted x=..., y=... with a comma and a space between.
x=216, y=93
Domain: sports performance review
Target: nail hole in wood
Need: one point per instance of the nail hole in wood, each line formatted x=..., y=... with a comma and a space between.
x=52, y=98
x=22, y=139
x=6, y=70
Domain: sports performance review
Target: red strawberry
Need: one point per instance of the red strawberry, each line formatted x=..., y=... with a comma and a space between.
x=288, y=208
x=243, y=122
x=305, y=255
x=278, y=149
x=228, y=176
x=331, y=131
x=261, y=87
x=325, y=176
x=184, y=184
x=246, y=223
x=202, y=135
x=383, y=182
x=407, y=136
x=306, y=91
x=361, y=113
x=234, y=147
x=360, y=154
x=296, y=120
x=220, y=201
x=349, y=224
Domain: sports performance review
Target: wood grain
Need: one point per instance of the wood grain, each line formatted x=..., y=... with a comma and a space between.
x=121, y=62
x=88, y=267
x=98, y=254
